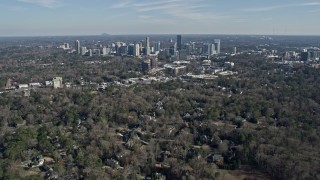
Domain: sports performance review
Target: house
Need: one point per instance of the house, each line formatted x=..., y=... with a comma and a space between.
x=215, y=158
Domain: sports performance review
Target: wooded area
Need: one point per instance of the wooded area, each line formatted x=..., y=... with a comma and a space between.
x=266, y=116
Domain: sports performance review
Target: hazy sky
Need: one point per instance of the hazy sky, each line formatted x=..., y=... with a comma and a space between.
x=90, y=17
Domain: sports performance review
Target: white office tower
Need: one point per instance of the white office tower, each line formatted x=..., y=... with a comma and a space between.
x=235, y=50
x=136, y=51
x=217, y=44
x=83, y=51
x=211, y=49
x=77, y=47
x=147, y=46
x=104, y=51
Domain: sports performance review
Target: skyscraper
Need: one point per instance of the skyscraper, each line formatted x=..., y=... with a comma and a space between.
x=217, y=45
x=104, y=51
x=136, y=51
x=209, y=49
x=78, y=47
x=147, y=46
x=131, y=49
x=83, y=51
x=156, y=46
x=305, y=56
x=179, y=42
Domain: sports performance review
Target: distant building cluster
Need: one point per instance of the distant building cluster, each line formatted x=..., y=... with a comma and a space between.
x=309, y=55
x=175, y=49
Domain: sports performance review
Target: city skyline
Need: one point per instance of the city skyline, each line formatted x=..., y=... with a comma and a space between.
x=57, y=17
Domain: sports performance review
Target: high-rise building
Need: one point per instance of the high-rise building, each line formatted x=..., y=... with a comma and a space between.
x=78, y=47
x=147, y=47
x=131, y=49
x=305, y=56
x=315, y=55
x=175, y=49
x=123, y=50
x=235, y=50
x=83, y=51
x=156, y=46
x=214, y=49
x=141, y=46
x=104, y=51
x=179, y=42
x=217, y=45
x=209, y=49
x=136, y=51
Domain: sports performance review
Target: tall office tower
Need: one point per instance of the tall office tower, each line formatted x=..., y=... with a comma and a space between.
x=175, y=49
x=179, y=42
x=131, y=49
x=209, y=49
x=77, y=46
x=213, y=49
x=83, y=51
x=305, y=56
x=141, y=46
x=123, y=50
x=136, y=51
x=147, y=46
x=217, y=45
x=235, y=50
x=104, y=51
x=193, y=45
x=156, y=46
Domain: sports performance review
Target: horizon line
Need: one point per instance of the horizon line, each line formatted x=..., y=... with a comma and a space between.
x=156, y=34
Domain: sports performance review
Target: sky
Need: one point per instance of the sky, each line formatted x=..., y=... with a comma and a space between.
x=94, y=17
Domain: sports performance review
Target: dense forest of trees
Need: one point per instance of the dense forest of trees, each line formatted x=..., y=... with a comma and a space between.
x=266, y=116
